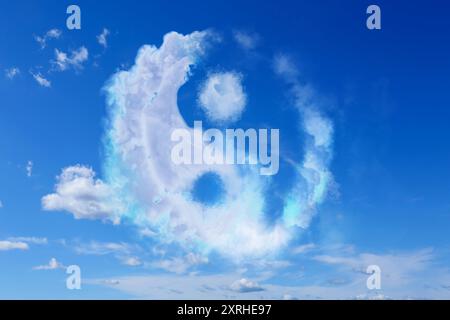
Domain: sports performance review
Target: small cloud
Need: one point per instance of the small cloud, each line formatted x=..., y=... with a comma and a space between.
x=124, y=252
x=247, y=41
x=132, y=261
x=244, y=286
x=103, y=248
x=111, y=282
x=285, y=67
x=79, y=192
x=11, y=73
x=181, y=265
x=102, y=38
x=147, y=233
x=51, y=34
x=29, y=240
x=303, y=248
x=75, y=59
x=41, y=80
x=29, y=168
x=375, y=296
x=13, y=245
x=53, y=264
x=222, y=96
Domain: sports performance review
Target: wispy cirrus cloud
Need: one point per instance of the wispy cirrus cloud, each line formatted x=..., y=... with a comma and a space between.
x=29, y=168
x=50, y=34
x=21, y=243
x=244, y=285
x=303, y=248
x=12, y=72
x=41, y=80
x=75, y=59
x=318, y=150
x=103, y=248
x=53, y=264
x=13, y=245
x=180, y=265
x=30, y=240
x=405, y=275
x=102, y=38
x=125, y=253
x=246, y=40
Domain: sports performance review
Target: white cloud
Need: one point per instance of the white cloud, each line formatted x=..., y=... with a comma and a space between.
x=124, y=252
x=102, y=38
x=29, y=168
x=285, y=67
x=132, y=261
x=181, y=264
x=78, y=191
x=12, y=72
x=147, y=232
x=243, y=285
x=54, y=33
x=111, y=282
x=407, y=275
x=29, y=240
x=142, y=173
x=314, y=169
x=51, y=34
x=13, y=245
x=75, y=60
x=397, y=269
x=247, y=41
x=103, y=248
x=53, y=264
x=139, y=171
x=41, y=80
x=222, y=96
x=303, y=248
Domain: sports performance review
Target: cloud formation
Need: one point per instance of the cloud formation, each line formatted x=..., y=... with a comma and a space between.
x=246, y=40
x=405, y=275
x=222, y=96
x=13, y=245
x=126, y=253
x=11, y=73
x=79, y=192
x=139, y=166
x=75, y=59
x=29, y=168
x=181, y=265
x=148, y=189
x=102, y=38
x=244, y=285
x=53, y=264
x=51, y=34
x=29, y=240
x=43, y=82
x=314, y=176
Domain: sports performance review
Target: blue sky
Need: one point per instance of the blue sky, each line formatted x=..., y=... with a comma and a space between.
x=71, y=190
